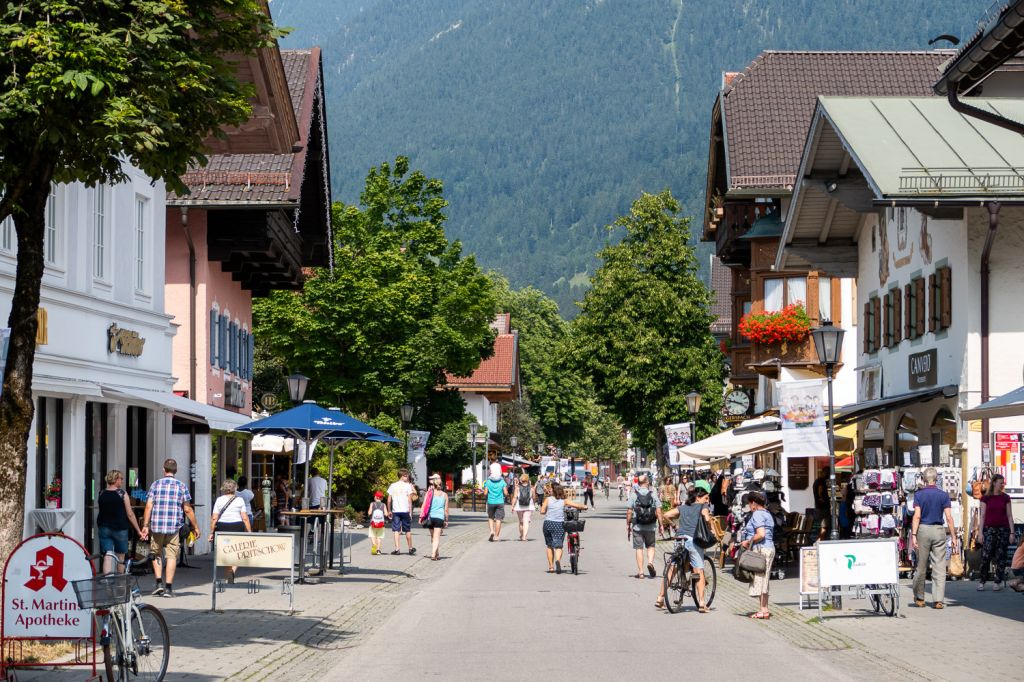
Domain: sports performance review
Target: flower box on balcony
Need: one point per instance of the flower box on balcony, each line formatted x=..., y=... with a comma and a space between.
x=791, y=324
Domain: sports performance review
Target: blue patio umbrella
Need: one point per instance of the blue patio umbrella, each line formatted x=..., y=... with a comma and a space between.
x=308, y=422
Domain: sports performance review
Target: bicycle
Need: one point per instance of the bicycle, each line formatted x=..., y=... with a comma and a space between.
x=573, y=526
x=680, y=580
x=134, y=636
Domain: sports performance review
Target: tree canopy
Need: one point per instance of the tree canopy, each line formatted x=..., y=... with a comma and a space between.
x=401, y=305
x=643, y=332
x=87, y=87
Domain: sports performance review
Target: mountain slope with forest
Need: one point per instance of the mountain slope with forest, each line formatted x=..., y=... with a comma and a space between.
x=546, y=119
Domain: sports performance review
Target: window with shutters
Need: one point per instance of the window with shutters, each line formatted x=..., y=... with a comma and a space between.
x=873, y=325
x=920, y=306
x=214, y=337
x=887, y=321
x=944, y=297
x=222, y=342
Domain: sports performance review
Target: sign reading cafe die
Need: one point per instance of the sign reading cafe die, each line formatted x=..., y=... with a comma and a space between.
x=124, y=341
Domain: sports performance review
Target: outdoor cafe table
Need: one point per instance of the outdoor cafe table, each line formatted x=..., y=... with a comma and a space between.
x=304, y=517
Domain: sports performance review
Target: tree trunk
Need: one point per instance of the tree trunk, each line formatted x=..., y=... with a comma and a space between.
x=16, y=404
x=659, y=446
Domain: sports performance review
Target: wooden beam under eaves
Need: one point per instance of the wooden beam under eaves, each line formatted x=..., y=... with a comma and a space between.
x=826, y=225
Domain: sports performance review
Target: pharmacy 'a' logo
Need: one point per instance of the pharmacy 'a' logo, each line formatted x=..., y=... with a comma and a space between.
x=48, y=568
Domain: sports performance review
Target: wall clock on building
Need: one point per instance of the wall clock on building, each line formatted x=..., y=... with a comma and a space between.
x=737, y=402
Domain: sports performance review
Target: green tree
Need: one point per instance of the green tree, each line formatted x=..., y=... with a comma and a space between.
x=401, y=305
x=603, y=439
x=517, y=419
x=643, y=332
x=444, y=416
x=85, y=90
x=556, y=388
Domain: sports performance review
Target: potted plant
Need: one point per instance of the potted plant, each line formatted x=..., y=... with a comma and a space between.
x=778, y=326
x=52, y=494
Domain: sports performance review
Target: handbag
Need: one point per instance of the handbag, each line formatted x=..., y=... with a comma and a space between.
x=738, y=572
x=752, y=562
x=702, y=535
x=425, y=509
x=956, y=566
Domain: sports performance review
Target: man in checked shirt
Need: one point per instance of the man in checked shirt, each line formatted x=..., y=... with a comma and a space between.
x=167, y=505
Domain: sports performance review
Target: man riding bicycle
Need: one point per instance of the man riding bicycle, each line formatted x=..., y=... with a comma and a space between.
x=689, y=514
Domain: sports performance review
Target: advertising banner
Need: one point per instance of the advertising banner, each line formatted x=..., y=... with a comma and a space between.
x=254, y=550
x=677, y=436
x=858, y=562
x=416, y=455
x=803, y=418
x=39, y=598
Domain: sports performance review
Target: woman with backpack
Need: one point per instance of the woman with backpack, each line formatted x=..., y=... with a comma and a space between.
x=522, y=504
x=377, y=513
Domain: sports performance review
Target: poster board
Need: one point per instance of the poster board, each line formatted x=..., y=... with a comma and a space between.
x=798, y=472
x=254, y=550
x=842, y=563
x=38, y=595
x=808, y=570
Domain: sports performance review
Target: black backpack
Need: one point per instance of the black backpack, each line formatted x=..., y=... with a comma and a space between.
x=525, y=492
x=646, y=512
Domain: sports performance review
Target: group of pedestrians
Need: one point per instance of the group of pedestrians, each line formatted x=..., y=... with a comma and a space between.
x=401, y=499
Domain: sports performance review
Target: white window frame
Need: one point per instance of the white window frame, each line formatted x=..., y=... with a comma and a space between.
x=8, y=237
x=141, y=223
x=52, y=223
x=101, y=262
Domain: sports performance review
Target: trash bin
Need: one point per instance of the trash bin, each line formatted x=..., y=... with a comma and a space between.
x=296, y=532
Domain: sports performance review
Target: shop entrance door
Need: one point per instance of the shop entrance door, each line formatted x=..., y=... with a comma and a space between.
x=95, y=467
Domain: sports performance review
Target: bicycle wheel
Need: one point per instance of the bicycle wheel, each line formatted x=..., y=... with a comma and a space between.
x=710, y=584
x=152, y=643
x=883, y=602
x=113, y=652
x=574, y=554
x=675, y=587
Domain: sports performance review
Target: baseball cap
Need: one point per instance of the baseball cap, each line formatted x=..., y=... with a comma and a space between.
x=702, y=485
x=378, y=494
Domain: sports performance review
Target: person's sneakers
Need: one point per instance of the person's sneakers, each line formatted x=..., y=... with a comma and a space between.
x=412, y=550
x=558, y=567
x=981, y=587
x=159, y=591
x=651, y=571
x=167, y=594
x=491, y=539
x=396, y=553
x=998, y=587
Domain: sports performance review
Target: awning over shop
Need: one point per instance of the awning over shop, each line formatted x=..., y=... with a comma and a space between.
x=217, y=418
x=849, y=414
x=515, y=460
x=731, y=444
x=1008, y=405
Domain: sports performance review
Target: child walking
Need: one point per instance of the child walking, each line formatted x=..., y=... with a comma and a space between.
x=377, y=514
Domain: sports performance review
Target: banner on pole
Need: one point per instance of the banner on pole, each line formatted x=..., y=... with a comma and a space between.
x=677, y=437
x=803, y=418
x=416, y=455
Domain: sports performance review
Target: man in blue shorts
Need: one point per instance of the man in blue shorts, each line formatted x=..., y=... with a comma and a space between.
x=400, y=509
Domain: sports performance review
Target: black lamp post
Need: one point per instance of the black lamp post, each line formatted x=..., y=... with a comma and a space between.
x=693, y=407
x=473, y=426
x=828, y=342
x=406, y=412
x=297, y=387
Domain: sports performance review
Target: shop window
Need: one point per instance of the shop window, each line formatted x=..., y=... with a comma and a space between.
x=49, y=448
x=95, y=465
x=907, y=442
x=943, y=437
x=138, y=473
x=782, y=291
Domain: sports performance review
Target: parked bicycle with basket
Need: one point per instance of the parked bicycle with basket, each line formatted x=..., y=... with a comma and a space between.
x=134, y=636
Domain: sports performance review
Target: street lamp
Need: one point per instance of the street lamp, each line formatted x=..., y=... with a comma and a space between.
x=473, y=426
x=693, y=407
x=828, y=341
x=406, y=412
x=297, y=387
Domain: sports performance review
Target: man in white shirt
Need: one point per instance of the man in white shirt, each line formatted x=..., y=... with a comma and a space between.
x=317, y=488
x=400, y=509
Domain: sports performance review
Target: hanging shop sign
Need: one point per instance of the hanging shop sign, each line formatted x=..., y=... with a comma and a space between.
x=677, y=436
x=803, y=418
x=798, y=472
x=124, y=341
x=922, y=369
x=38, y=595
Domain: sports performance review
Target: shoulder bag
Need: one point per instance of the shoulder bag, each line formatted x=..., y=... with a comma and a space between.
x=752, y=562
x=702, y=535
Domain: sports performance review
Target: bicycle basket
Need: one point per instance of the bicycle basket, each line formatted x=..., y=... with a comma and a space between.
x=103, y=591
x=575, y=525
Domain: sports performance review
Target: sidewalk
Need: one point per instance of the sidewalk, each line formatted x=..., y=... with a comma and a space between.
x=253, y=637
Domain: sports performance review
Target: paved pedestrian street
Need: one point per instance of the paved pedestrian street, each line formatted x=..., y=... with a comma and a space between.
x=489, y=611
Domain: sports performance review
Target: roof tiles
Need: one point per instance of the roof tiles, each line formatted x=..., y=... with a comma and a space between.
x=768, y=107
x=498, y=371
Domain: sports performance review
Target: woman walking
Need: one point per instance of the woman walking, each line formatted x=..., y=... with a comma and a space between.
x=759, y=534
x=114, y=517
x=229, y=516
x=996, y=528
x=553, y=509
x=697, y=506
x=435, y=515
x=522, y=504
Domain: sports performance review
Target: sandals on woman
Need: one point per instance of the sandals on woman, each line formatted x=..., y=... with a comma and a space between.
x=760, y=615
x=703, y=609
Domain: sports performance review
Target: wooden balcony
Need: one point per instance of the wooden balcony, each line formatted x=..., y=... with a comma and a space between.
x=766, y=358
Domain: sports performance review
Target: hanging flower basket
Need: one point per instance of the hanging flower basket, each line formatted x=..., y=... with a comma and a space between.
x=52, y=494
x=779, y=326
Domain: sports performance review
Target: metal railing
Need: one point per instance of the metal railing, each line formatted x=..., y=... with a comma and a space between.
x=961, y=180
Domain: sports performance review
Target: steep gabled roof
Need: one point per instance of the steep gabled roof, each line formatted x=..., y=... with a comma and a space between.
x=496, y=373
x=768, y=107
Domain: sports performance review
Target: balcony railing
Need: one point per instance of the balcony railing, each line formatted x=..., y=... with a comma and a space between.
x=785, y=352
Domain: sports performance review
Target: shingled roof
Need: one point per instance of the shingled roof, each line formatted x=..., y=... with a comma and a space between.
x=768, y=107
x=260, y=179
